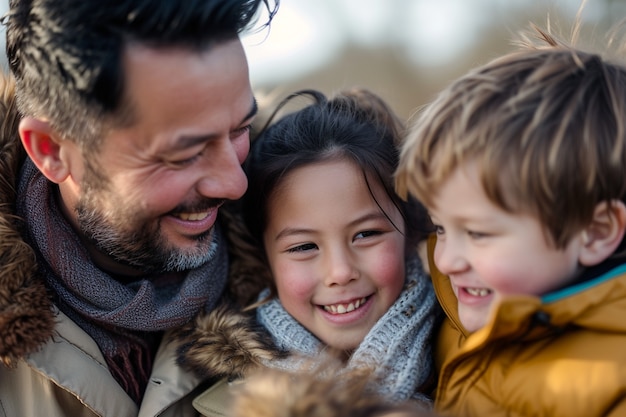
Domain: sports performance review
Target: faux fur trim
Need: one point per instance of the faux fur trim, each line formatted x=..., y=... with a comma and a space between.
x=26, y=314
x=272, y=392
x=224, y=343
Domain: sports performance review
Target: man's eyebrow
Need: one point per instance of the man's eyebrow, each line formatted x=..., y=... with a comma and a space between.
x=185, y=142
x=254, y=109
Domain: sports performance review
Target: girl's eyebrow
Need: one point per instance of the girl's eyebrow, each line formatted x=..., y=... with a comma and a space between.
x=290, y=231
x=368, y=216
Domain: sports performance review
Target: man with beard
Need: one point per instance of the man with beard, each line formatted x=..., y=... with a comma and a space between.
x=134, y=117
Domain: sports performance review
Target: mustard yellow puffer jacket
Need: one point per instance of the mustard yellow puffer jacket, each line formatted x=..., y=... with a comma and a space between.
x=561, y=355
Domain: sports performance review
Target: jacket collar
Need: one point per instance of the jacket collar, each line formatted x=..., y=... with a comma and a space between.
x=597, y=303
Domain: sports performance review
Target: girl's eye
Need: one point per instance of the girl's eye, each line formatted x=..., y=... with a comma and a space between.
x=302, y=248
x=367, y=233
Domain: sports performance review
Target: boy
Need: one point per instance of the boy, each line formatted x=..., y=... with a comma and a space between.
x=521, y=166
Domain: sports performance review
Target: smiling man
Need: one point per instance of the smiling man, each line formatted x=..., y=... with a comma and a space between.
x=134, y=116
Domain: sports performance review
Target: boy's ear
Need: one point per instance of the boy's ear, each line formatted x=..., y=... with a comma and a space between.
x=43, y=148
x=604, y=234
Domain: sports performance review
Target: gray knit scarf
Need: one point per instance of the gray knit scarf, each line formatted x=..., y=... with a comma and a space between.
x=398, y=347
x=124, y=319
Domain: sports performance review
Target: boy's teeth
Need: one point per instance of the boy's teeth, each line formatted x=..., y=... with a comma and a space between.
x=342, y=308
x=192, y=216
x=478, y=292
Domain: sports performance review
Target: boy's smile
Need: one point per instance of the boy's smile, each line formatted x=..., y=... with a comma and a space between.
x=490, y=253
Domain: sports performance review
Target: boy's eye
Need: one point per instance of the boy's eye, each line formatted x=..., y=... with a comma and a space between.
x=302, y=248
x=438, y=229
x=476, y=235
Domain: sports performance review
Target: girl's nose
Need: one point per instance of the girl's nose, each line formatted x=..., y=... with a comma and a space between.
x=341, y=268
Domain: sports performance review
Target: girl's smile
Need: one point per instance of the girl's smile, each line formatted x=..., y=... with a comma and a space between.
x=338, y=267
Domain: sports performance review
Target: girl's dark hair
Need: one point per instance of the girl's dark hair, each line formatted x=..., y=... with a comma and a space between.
x=356, y=125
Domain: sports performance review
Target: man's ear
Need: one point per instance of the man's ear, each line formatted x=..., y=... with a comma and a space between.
x=44, y=148
x=604, y=234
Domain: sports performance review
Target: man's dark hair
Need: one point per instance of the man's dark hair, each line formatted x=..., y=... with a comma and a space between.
x=66, y=55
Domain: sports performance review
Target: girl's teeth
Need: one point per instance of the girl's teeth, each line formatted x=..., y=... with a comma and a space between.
x=478, y=292
x=342, y=309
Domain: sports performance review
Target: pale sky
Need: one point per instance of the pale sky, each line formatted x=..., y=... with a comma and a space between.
x=307, y=34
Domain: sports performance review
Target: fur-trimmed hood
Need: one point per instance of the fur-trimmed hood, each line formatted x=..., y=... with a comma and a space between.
x=26, y=311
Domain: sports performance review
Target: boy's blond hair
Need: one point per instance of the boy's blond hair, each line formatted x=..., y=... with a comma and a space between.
x=546, y=126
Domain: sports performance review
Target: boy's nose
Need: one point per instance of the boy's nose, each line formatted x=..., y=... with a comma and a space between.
x=449, y=257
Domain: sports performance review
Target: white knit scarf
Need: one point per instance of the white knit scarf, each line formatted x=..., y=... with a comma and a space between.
x=398, y=347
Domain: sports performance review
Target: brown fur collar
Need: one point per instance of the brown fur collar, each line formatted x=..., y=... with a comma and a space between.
x=26, y=315
x=225, y=342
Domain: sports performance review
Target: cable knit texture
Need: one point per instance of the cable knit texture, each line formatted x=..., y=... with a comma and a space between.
x=397, y=348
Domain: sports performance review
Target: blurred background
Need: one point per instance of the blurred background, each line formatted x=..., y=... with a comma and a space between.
x=404, y=50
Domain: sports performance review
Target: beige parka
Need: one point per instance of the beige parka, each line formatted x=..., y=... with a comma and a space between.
x=68, y=376
x=48, y=365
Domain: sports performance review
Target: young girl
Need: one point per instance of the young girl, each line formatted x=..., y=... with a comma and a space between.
x=338, y=244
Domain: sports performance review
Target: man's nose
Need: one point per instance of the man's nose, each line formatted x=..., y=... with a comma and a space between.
x=223, y=177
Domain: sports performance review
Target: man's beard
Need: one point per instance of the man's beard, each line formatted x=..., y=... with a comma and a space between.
x=136, y=242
